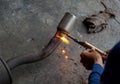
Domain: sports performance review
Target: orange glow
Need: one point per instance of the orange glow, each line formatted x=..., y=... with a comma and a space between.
x=66, y=57
x=63, y=51
x=63, y=38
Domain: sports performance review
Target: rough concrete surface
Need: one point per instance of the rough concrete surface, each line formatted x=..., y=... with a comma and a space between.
x=21, y=21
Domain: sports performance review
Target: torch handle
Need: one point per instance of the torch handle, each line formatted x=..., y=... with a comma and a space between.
x=88, y=45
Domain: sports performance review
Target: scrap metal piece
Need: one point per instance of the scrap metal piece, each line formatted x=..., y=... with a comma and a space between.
x=97, y=22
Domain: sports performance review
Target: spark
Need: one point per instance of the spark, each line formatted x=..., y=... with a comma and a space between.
x=63, y=51
x=66, y=57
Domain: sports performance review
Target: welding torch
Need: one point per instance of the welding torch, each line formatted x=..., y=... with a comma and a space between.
x=87, y=45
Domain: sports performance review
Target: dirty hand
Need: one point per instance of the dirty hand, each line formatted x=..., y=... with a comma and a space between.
x=90, y=57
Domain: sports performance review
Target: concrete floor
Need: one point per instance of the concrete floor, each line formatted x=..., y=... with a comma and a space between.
x=23, y=20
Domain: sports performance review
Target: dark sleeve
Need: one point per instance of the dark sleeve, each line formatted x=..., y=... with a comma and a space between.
x=95, y=75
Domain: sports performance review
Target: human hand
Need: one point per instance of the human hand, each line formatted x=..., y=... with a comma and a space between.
x=90, y=57
x=105, y=57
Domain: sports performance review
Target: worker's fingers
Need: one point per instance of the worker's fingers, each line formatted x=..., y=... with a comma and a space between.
x=86, y=63
x=88, y=51
x=93, y=49
x=108, y=51
x=104, y=58
x=84, y=53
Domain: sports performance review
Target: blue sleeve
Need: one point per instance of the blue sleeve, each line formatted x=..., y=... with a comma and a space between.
x=95, y=75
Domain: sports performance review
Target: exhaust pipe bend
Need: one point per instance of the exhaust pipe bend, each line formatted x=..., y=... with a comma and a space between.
x=48, y=50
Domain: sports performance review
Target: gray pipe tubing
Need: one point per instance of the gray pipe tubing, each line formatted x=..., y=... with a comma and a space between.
x=48, y=50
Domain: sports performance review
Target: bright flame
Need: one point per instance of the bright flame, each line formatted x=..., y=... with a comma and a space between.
x=63, y=38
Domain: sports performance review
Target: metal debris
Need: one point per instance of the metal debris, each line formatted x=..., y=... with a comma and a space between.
x=97, y=22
